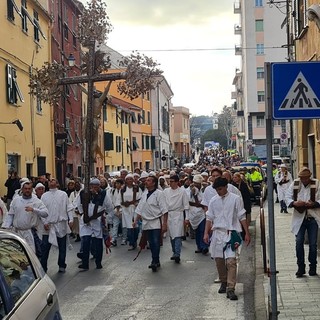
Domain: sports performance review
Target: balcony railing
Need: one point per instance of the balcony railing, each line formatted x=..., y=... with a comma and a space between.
x=237, y=7
x=238, y=50
x=237, y=29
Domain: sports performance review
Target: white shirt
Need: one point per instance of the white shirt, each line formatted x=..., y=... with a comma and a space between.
x=210, y=192
x=195, y=214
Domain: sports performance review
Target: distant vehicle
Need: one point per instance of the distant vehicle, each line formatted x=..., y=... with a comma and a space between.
x=211, y=145
x=280, y=160
x=114, y=174
x=26, y=291
x=250, y=164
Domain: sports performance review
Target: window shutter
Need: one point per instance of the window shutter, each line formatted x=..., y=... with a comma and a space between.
x=108, y=141
x=153, y=142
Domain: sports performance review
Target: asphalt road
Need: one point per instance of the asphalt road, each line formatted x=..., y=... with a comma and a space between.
x=127, y=289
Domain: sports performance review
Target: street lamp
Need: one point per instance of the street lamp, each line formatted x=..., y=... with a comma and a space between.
x=71, y=60
x=16, y=122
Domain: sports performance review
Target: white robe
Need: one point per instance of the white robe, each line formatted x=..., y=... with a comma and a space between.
x=60, y=214
x=225, y=213
x=195, y=214
x=94, y=227
x=22, y=220
x=151, y=209
x=128, y=213
x=282, y=188
x=178, y=202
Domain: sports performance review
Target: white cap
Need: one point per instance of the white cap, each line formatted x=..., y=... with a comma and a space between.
x=283, y=165
x=129, y=175
x=23, y=180
x=144, y=174
x=197, y=178
x=204, y=173
x=39, y=185
x=152, y=173
x=95, y=181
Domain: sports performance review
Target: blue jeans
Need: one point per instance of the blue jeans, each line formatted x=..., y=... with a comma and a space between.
x=154, y=244
x=283, y=205
x=199, y=235
x=133, y=234
x=176, y=244
x=93, y=244
x=115, y=228
x=45, y=248
x=311, y=227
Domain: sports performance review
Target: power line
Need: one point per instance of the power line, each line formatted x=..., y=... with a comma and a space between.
x=196, y=49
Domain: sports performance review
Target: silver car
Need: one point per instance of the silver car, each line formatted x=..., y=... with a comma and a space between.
x=26, y=291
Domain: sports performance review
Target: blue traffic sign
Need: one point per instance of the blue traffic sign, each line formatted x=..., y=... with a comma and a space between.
x=295, y=90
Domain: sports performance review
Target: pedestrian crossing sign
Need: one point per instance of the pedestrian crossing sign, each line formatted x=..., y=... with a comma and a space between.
x=295, y=90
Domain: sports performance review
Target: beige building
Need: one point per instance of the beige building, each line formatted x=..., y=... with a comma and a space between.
x=180, y=136
x=25, y=45
x=307, y=44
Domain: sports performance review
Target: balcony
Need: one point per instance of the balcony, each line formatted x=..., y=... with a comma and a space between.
x=237, y=7
x=238, y=50
x=237, y=29
x=240, y=113
x=233, y=95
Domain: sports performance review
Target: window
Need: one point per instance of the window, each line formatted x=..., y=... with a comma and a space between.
x=276, y=122
x=41, y=164
x=142, y=141
x=143, y=116
x=259, y=3
x=260, y=121
x=11, y=7
x=108, y=141
x=76, y=131
x=24, y=17
x=276, y=150
x=301, y=16
x=74, y=23
x=17, y=273
x=148, y=142
x=259, y=25
x=118, y=144
x=37, y=29
x=260, y=73
x=133, y=117
x=135, y=145
x=68, y=131
x=260, y=48
x=38, y=105
x=13, y=90
x=149, y=119
x=260, y=95
x=104, y=111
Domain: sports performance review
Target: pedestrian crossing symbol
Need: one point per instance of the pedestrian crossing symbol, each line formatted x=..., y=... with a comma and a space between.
x=300, y=96
x=295, y=90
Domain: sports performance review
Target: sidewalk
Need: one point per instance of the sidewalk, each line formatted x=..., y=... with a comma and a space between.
x=298, y=298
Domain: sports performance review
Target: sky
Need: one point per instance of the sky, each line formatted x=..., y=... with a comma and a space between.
x=201, y=80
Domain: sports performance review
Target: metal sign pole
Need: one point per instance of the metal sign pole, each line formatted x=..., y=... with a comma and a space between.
x=272, y=248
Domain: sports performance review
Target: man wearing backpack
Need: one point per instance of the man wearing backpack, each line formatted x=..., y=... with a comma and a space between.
x=304, y=196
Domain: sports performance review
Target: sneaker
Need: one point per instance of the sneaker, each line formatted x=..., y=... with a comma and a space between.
x=223, y=287
x=177, y=259
x=99, y=266
x=123, y=242
x=205, y=251
x=231, y=295
x=79, y=255
x=62, y=270
x=217, y=280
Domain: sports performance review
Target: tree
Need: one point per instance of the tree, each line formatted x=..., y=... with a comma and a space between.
x=94, y=25
x=225, y=123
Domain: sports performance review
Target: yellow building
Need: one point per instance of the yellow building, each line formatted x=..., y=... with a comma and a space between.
x=24, y=45
x=308, y=131
x=127, y=138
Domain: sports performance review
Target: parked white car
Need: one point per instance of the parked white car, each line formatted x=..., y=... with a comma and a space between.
x=26, y=291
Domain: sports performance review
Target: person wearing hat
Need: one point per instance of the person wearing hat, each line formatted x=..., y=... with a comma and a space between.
x=56, y=225
x=283, y=179
x=24, y=214
x=91, y=222
x=196, y=215
x=304, y=196
x=226, y=215
x=142, y=180
x=129, y=197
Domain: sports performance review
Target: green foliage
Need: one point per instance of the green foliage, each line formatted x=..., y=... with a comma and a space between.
x=215, y=135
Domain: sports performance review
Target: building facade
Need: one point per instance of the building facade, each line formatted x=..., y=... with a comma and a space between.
x=25, y=45
x=260, y=42
x=67, y=114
